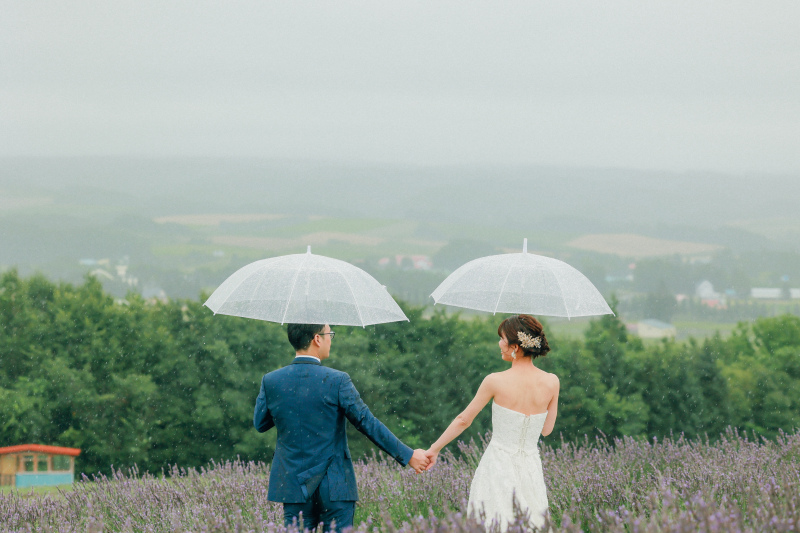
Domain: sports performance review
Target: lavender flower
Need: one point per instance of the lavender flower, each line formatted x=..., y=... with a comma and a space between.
x=734, y=484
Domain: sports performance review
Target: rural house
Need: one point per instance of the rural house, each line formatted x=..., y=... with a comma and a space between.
x=33, y=465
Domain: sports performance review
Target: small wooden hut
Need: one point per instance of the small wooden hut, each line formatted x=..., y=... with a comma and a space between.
x=34, y=465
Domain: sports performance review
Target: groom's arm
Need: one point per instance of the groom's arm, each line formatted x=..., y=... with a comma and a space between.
x=262, y=418
x=363, y=420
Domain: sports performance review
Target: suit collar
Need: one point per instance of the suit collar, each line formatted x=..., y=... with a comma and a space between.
x=305, y=361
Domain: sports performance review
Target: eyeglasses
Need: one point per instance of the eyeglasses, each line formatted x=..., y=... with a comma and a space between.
x=331, y=333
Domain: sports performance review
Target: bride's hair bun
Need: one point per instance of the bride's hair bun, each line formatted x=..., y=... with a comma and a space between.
x=532, y=342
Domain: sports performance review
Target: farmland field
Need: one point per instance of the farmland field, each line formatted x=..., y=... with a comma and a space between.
x=786, y=227
x=276, y=243
x=736, y=483
x=701, y=330
x=561, y=328
x=630, y=245
x=215, y=220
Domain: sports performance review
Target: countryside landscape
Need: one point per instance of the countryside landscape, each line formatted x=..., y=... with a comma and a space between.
x=175, y=228
x=233, y=292
x=102, y=293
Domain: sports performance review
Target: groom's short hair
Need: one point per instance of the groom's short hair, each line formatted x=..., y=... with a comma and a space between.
x=301, y=335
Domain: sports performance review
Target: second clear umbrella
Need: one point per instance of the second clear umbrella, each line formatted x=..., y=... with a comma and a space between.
x=521, y=283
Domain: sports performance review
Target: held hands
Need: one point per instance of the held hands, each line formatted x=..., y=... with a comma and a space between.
x=419, y=461
x=423, y=460
x=432, y=456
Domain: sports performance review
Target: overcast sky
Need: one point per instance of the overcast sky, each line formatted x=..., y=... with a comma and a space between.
x=676, y=85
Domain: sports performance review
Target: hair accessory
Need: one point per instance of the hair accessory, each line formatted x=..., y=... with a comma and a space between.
x=526, y=341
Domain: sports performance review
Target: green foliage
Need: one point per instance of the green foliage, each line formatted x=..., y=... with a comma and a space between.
x=157, y=383
x=772, y=334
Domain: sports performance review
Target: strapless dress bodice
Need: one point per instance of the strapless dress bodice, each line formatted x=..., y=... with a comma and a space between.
x=515, y=432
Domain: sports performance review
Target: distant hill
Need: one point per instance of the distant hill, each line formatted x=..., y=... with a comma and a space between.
x=185, y=223
x=577, y=200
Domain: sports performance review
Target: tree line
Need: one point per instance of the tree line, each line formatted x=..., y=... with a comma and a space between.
x=159, y=383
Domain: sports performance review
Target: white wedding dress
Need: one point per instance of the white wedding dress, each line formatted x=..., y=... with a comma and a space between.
x=510, y=467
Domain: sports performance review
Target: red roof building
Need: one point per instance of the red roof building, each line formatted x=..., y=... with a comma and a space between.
x=31, y=465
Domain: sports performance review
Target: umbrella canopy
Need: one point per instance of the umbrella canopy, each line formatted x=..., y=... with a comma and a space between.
x=521, y=283
x=305, y=289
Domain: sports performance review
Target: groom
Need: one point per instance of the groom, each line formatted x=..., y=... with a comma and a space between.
x=312, y=472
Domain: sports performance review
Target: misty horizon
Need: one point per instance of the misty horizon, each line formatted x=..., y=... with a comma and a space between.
x=671, y=87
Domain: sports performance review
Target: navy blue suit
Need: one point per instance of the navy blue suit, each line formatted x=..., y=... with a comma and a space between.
x=309, y=404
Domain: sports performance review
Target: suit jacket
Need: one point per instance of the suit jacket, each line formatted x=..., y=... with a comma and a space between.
x=309, y=405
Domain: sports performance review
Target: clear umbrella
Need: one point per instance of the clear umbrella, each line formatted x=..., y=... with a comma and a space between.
x=305, y=289
x=521, y=283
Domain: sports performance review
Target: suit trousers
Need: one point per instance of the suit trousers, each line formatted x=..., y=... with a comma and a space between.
x=320, y=508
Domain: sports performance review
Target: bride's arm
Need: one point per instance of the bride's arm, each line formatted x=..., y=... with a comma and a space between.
x=463, y=420
x=552, y=410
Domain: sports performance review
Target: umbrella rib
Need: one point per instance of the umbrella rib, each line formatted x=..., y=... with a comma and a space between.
x=358, y=310
x=294, y=283
x=566, y=307
x=500, y=294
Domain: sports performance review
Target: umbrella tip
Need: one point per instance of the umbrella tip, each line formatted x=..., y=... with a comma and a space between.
x=524, y=246
x=308, y=250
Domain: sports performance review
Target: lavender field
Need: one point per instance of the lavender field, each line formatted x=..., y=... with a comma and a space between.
x=734, y=484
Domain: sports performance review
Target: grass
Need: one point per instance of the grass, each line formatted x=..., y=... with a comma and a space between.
x=36, y=491
x=699, y=330
x=703, y=330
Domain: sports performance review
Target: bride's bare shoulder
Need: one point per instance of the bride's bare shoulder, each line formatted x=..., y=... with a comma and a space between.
x=495, y=378
x=552, y=380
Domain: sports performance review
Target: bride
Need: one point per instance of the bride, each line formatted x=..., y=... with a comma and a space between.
x=525, y=406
